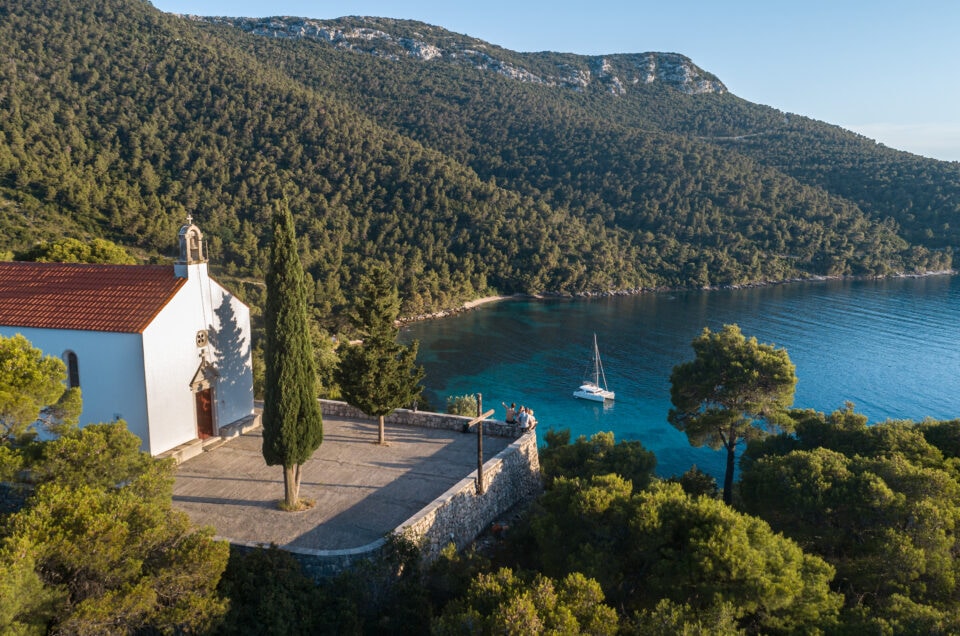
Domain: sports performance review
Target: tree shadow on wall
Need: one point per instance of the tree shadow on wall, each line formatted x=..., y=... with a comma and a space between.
x=232, y=350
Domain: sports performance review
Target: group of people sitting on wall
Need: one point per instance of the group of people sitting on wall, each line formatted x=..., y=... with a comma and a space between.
x=522, y=416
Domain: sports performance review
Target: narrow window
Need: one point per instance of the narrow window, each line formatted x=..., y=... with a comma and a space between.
x=73, y=370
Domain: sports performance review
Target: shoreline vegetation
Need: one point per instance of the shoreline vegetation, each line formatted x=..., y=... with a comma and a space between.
x=485, y=300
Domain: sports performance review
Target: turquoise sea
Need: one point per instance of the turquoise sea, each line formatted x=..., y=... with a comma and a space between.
x=891, y=347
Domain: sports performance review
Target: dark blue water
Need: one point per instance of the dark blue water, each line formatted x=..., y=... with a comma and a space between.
x=890, y=347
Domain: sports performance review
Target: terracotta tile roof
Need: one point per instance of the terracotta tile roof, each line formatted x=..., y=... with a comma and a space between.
x=117, y=298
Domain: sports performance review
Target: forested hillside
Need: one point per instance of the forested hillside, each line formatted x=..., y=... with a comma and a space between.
x=119, y=120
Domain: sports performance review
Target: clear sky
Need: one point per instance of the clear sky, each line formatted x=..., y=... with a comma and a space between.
x=889, y=69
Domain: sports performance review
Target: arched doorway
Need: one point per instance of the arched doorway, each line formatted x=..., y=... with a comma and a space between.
x=204, y=413
x=202, y=387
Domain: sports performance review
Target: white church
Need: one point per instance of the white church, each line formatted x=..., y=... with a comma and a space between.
x=163, y=347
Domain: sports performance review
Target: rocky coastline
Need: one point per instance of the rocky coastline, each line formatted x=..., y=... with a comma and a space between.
x=479, y=302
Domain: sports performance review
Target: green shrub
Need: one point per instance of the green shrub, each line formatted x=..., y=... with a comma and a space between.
x=462, y=405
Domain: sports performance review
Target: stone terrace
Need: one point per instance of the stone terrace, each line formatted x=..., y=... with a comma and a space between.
x=363, y=491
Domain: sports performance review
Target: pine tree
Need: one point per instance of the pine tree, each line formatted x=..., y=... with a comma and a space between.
x=32, y=391
x=380, y=374
x=736, y=390
x=99, y=548
x=292, y=423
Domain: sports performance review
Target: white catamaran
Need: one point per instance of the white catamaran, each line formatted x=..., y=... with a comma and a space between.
x=595, y=389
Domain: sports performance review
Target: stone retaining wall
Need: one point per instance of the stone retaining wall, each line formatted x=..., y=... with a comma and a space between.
x=457, y=516
x=461, y=514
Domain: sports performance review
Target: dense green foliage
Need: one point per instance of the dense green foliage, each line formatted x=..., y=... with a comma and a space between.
x=503, y=603
x=292, y=422
x=654, y=160
x=119, y=120
x=697, y=553
x=599, y=455
x=378, y=374
x=880, y=503
x=734, y=390
x=98, y=548
x=32, y=391
x=270, y=594
x=71, y=250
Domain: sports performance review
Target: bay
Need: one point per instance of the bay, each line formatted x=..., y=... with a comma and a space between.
x=891, y=347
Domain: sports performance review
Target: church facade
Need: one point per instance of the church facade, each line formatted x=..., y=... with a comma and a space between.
x=165, y=348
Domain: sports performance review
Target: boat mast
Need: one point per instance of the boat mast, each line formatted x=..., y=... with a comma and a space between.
x=597, y=365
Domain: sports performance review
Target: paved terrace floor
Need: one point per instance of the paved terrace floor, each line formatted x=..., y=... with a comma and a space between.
x=362, y=490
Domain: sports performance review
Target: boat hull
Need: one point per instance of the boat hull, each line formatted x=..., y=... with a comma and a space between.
x=593, y=393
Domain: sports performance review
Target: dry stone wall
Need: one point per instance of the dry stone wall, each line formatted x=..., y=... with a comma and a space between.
x=462, y=513
x=459, y=515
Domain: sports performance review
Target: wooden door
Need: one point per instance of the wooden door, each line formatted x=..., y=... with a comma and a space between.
x=204, y=414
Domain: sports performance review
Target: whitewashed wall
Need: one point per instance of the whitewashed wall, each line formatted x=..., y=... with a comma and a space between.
x=172, y=359
x=111, y=372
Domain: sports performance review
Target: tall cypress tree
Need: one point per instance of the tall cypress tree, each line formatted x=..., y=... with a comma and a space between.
x=292, y=424
x=380, y=374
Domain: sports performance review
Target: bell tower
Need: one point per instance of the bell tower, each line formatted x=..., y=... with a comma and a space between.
x=192, y=249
